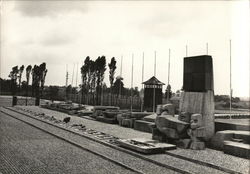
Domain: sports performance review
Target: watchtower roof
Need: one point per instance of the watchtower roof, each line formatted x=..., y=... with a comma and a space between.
x=153, y=81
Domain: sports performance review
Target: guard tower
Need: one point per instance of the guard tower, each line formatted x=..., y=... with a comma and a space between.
x=149, y=86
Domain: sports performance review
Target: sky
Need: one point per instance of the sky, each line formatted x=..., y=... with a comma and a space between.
x=64, y=33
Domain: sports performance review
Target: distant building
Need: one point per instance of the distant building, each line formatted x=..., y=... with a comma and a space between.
x=149, y=86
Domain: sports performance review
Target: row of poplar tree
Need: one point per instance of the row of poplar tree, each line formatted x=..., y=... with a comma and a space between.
x=37, y=73
x=92, y=74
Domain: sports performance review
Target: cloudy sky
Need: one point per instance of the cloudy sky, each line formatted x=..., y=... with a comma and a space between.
x=65, y=32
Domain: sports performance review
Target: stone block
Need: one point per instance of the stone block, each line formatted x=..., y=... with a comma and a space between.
x=157, y=135
x=150, y=118
x=104, y=108
x=143, y=126
x=237, y=149
x=169, y=108
x=110, y=114
x=170, y=133
x=201, y=103
x=126, y=122
x=244, y=135
x=218, y=139
x=106, y=120
x=222, y=124
x=140, y=115
x=183, y=143
x=197, y=145
x=119, y=119
x=167, y=121
x=199, y=132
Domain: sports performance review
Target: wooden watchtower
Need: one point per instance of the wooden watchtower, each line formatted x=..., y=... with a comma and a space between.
x=152, y=87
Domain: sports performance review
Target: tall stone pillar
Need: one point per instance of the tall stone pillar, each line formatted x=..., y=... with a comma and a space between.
x=198, y=95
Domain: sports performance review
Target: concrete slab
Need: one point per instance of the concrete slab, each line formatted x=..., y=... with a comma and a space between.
x=146, y=146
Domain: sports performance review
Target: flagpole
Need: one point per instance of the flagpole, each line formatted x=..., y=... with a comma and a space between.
x=230, y=79
x=120, y=86
x=168, y=65
x=168, y=92
x=72, y=80
x=207, y=48
x=81, y=95
x=66, y=85
x=142, y=80
x=154, y=84
x=131, y=104
x=76, y=78
x=186, y=50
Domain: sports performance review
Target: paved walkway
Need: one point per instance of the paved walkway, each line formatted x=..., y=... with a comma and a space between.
x=209, y=155
x=25, y=149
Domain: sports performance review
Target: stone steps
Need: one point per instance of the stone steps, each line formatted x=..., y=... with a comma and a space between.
x=237, y=149
x=233, y=142
x=229, y=135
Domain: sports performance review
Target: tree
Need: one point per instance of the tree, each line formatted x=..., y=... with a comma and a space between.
x=53, y=92
x=13, y=76
x=20, y=72
x=28, y=71
x=168, y=92
x=38, y=78
x=68, y=90
x=92, y=79
x=84, y=73
x=100, y=67
x=42, y=74
x=118, y=86
x=112, y=68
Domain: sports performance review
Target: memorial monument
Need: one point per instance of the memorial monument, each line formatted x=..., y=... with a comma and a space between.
x=195, y=123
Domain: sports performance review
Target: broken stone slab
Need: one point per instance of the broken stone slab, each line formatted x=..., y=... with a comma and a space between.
x=150, y=118
x=168, y=121
x=146, y=146
x=143, y=126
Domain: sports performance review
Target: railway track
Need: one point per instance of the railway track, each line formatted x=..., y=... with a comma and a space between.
x=132, y=161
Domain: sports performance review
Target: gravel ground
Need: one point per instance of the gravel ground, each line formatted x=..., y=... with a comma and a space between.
x=25, y=149
x=217, y=158
x=129, y=160
x=210, y=156
x=112, y=129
